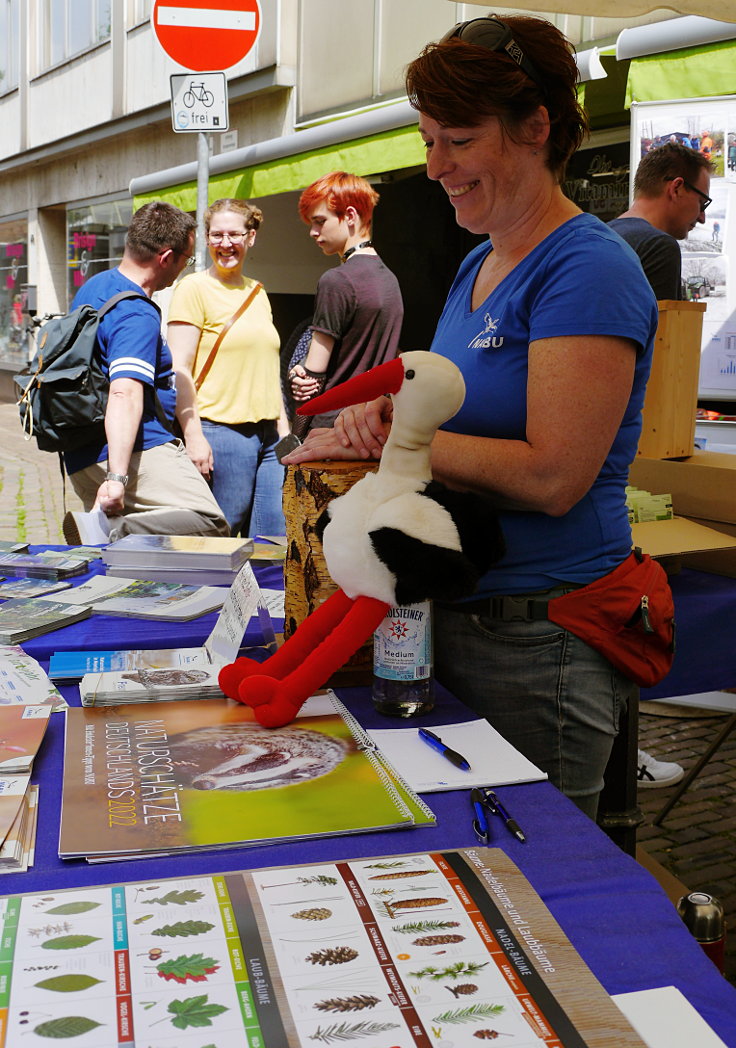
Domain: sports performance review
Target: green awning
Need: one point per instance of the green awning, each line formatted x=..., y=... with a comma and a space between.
x=387, y=151
x=692, y=72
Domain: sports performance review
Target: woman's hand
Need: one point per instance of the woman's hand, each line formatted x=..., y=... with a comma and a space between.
x=320, y=443
x=359, y=433
x=303, y=386
x=200, y=452
x=365, y=427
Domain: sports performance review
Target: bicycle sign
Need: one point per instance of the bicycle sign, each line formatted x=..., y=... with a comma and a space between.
x=199, y=102
x=197, y=93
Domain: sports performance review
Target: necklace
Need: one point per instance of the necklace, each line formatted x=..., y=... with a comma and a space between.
x=351, y=250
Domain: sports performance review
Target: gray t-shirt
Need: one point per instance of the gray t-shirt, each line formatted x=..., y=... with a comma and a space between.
x=658, y=252
x=358, y=304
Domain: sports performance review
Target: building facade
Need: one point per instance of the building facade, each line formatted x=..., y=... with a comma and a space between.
x=86, y=136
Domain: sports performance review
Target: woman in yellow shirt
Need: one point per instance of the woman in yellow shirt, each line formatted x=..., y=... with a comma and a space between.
x=234, y=416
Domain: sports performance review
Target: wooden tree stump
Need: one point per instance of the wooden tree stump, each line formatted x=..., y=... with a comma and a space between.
x=308, y=488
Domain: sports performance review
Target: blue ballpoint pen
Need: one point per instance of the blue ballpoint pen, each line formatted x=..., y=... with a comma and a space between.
x=497, y=808
x=437, y=744
x=480, y=822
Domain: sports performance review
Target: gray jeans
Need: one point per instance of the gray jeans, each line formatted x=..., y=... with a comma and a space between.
x=547, y=692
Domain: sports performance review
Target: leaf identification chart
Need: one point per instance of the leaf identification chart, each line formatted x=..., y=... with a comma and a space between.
x=442, y=950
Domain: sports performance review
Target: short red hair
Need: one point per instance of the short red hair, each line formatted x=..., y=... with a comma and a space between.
x=340, y=190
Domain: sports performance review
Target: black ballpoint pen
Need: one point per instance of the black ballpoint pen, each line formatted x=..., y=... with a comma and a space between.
x=437, y=744
x=498, y=809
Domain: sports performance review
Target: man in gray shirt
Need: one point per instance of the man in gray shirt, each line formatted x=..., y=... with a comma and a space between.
x=671, y=189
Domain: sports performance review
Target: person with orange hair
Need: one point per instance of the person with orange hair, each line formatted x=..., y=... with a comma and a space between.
x=358, y=308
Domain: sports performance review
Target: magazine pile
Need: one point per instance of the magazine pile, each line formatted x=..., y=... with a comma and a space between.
x=22, y=728
x=452, y=948
x=49, y=564
x=24, y=617
x=141, y=675
x=24, y=681
x=135, y=598
x=189, y=776
x=192, y=559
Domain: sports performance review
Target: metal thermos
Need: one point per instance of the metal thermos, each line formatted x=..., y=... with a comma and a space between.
x=703, y=916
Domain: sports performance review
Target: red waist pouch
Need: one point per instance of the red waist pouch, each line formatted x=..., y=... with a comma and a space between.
x=628, y=616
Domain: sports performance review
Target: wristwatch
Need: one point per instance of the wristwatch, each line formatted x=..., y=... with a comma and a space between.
x=122, y=478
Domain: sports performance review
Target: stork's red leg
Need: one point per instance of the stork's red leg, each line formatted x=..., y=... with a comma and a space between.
x=276, y=702
x=292, y=652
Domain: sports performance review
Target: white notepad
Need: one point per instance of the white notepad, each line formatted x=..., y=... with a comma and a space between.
x=493, y=761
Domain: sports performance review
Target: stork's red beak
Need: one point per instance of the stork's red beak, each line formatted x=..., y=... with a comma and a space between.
x=386, y=378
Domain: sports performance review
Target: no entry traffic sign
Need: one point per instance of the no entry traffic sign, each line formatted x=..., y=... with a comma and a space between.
x=206, y=34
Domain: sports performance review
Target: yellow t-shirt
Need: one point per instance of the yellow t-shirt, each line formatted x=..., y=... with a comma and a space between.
x=243, y=384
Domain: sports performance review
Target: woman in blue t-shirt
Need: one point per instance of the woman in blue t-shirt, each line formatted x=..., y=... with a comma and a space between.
x=552, y=323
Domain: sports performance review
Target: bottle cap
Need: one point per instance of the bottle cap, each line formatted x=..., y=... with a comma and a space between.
x=703, y=915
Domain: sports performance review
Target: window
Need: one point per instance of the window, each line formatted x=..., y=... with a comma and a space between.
x=9, y=44
x=95, y=239
x=13, y=275
x=139, y=11
x=72, y=26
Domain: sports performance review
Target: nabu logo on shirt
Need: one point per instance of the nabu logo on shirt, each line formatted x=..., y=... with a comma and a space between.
x=487, y=338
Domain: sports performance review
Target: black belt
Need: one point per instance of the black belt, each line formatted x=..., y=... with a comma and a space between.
x=518, y=607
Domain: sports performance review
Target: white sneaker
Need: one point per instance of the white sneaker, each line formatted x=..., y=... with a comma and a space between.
x=652, y=773
x=86, y=529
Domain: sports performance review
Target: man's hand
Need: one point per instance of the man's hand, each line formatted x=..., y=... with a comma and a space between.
x=111, y=498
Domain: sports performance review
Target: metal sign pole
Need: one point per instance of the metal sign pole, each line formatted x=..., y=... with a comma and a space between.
x=203, y=176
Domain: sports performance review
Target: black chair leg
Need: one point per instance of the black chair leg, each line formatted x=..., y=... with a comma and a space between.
x=619, y=814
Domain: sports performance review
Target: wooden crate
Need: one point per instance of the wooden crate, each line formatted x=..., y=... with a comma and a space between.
x=308, y=488
x=670, y=405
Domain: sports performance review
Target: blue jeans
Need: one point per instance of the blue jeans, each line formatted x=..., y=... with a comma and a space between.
x=247, y=479
x=547, y=692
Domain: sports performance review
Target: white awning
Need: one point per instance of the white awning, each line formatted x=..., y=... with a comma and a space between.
x=718, y=9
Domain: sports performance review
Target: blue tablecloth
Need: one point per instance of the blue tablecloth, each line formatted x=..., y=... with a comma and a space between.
x=614, y=912
x=705, y=616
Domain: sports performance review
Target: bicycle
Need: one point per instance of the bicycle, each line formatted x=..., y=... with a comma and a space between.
x=31, y=329
x=197, y=93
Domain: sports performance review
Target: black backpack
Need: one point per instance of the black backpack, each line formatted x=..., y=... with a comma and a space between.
x=62, y=394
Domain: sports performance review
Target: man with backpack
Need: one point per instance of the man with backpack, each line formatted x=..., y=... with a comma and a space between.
x=136, y=471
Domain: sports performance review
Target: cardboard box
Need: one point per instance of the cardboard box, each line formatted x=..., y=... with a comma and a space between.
x=679, y=536
x=702, y=486
x=722, y=562
x=670, y=405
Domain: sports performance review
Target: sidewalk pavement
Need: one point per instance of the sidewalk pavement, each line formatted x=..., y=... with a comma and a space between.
x=31, y=486
x=697, y=843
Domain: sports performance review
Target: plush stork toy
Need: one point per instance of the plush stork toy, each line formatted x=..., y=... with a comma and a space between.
x=396, y=538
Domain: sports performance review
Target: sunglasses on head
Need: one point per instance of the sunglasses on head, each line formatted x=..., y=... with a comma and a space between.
x=495, y=36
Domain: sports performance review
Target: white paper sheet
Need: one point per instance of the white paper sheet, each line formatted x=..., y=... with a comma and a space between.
x=664, y=1018
x=493, y=761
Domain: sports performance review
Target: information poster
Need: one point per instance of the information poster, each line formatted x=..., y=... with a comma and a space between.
x=709, y=252
x=443, y=950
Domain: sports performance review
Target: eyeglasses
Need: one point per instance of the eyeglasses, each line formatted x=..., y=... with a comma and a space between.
x=234, y=238
x=495, y=36
x=158, y=250
x=705, y=200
